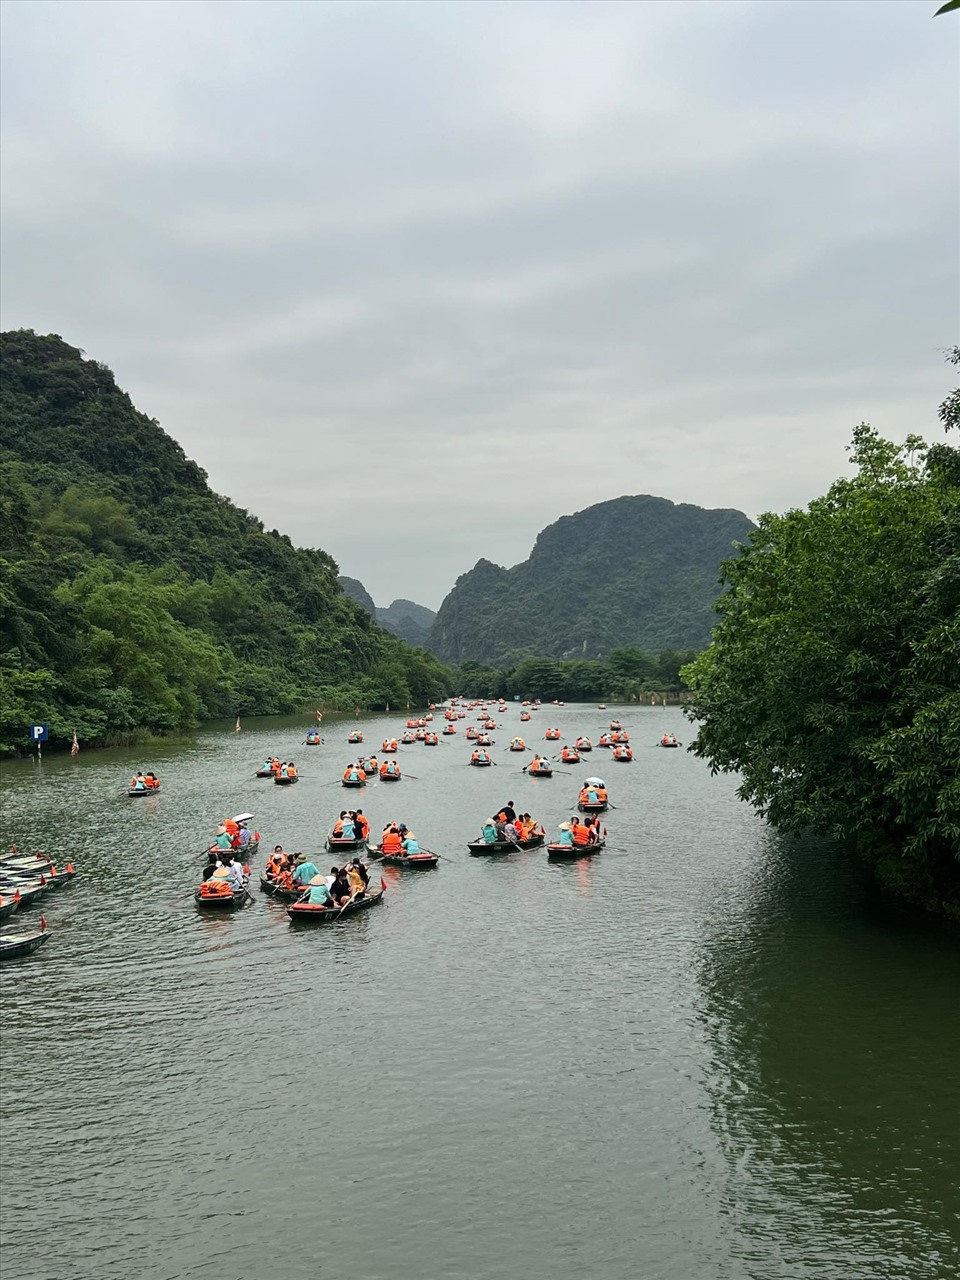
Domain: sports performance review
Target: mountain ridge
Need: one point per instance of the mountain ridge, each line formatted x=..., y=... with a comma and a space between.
x=635, y=570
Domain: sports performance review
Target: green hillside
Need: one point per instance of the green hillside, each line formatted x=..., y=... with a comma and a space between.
x=636, y=571
x=132, y=597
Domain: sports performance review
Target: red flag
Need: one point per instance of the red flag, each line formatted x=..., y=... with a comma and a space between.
x=383, y=885
x=43, y=924
x=74, y=745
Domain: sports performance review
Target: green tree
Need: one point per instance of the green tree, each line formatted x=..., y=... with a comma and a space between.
x=831, y=686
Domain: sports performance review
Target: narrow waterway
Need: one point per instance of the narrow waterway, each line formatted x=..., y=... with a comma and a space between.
x=708, y=1053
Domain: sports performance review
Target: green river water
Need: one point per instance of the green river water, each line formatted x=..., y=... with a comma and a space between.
x=709, y=1053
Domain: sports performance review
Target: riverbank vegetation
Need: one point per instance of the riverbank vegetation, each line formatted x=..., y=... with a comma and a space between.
x=624, y=675
x=833, y=682
x=133, y=597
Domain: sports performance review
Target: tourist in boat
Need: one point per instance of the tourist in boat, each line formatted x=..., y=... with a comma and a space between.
x=507, y=813
x=305, y=870
x=267, y=766
x=274, y=863
x=347, y=829
x=340, y=889
x=361, y=824
x=361, y=870
x=357, y=883
x=410, y=844
x=244, y=836
x=211, y=866
x=390, y=769
x=566, y=833
x=391, y=841
x=151, y=781
x=291, y=770
x=138, y=782
x=236, y=874
x=489, y=832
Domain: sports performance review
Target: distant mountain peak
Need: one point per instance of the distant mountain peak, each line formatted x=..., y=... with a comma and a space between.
x=636, y=571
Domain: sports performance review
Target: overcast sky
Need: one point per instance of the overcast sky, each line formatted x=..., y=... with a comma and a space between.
x=412, y=280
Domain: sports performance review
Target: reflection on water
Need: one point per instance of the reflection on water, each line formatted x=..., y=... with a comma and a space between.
x=703, y=1053
x=835, y=1030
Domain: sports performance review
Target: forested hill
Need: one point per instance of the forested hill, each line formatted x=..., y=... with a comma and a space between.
x=134, y=597
x=403, y=618
x=635, y=571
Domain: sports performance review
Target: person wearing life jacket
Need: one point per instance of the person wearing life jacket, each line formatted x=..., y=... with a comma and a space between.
x=391, y=841
x=285, y=875
x=602, y=794
x=581, y=833
x=273, y=863
x=361, y=824
x=291, y=770
x=275, y=766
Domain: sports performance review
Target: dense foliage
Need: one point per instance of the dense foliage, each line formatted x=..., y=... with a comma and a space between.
x=833, y=682
x=132, y=597
x=634, y=571
x=624, y=675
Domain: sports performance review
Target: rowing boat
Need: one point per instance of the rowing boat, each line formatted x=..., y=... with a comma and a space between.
x=310, y=913
x=570, y=852
x=13, y=945
x=480, y=848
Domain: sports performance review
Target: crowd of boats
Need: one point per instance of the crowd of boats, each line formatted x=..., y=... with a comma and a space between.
x=25, y=882
x=315, y=895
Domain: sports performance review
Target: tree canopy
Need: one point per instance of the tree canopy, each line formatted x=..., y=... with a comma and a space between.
x=833, y=682
x=132, y=597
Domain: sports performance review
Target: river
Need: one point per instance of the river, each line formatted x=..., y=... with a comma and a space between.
x=709, y=1053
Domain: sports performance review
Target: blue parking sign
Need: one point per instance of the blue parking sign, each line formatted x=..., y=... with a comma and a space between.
x=38, y=733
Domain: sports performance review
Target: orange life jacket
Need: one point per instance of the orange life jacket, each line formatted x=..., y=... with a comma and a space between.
x=581, y=834
x=391, y=842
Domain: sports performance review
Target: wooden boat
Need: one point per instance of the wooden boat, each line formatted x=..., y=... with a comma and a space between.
x=26, y=892
x=212, y=898
x=583, y=744
x=592, y=806
x=13, y=945
x=570, y=755
x=264, y=773
x=23, y=864
x=431, y=740
x=307, y=913
x=425, y=858
x=275, y=890
x=339, y=845
x=480, y=848
x=524, y=716
x=622, y=757
x=571, y=852
x=137, y=791
x=353, y=782
x=482, y=763
x=668, y=744
x=284, y=779
x=389, y=777
x=355, y=737
x=552, y=735
x=541, y=771
x=312, y=742
x=9, y=905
